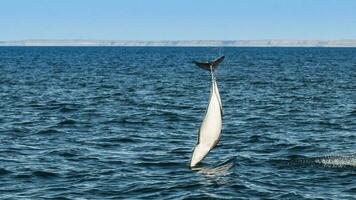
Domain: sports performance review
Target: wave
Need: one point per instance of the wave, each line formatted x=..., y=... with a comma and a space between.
x=4, y=171
x=48, y=131
x=67, y=122
x=67, y=109
x=44, y=174
x=38, y=174
x=221, y=169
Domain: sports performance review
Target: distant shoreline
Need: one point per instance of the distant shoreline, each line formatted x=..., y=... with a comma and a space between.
x=182, y=43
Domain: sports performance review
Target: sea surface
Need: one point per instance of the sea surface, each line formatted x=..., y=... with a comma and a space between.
x=121, y=123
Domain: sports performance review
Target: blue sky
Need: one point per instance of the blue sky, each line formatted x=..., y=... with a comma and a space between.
x=177, y=19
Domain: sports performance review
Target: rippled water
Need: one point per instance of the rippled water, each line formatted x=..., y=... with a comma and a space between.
x=112, y=123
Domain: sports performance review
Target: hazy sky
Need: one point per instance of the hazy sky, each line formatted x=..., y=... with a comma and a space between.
x=177, y=19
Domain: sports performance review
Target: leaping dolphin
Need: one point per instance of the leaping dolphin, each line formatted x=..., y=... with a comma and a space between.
x=210, y=129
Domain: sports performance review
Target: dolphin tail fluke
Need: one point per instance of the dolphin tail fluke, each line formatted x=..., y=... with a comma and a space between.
x=212, y=64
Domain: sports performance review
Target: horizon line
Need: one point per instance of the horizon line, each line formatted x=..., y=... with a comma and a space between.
x=185, y=43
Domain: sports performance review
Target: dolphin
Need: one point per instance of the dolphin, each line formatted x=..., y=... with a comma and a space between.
x=210, y=129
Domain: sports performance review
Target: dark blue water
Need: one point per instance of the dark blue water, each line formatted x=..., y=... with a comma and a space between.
x=113, y=123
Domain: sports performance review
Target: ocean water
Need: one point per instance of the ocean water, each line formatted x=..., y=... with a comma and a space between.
x=121, y=123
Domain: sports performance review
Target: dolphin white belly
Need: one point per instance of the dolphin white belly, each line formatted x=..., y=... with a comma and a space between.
x=210, y=129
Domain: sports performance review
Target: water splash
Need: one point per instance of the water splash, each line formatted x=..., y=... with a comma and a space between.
x=334, y=161
x=338, y=161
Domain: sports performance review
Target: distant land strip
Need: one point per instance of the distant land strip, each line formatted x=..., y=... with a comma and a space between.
x=185, y=43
